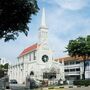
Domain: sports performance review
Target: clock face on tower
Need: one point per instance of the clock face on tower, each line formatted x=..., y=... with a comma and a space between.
x=45, y=58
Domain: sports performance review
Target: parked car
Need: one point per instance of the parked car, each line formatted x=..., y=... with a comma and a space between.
x=13, y=81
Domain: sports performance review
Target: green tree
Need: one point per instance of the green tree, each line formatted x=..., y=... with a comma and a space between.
x=1, y=73
x=6, y=66
x=14, y=17
x=3, y=69
x=80, y=47
x=1, y=66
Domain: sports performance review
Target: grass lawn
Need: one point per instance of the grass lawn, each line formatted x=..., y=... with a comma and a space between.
x=57, y=89
x=52, y=88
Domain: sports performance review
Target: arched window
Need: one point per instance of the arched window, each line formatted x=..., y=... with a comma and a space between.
x=31, y=73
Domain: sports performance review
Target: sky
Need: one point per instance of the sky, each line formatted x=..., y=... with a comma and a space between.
x=66, y=20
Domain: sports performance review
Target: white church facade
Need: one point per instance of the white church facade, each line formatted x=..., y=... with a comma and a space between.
x=37, y=61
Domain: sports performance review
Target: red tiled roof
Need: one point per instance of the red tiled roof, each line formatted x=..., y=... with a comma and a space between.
x=70, y=59
x=29, y=49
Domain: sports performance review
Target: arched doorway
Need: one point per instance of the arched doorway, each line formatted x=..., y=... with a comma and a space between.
x=51, y=74
x=31, y=73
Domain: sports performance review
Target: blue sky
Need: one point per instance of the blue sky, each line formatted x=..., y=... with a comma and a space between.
x=66, y=20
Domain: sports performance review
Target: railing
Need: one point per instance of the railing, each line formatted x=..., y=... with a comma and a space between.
x=73, y=73
x=74, y=65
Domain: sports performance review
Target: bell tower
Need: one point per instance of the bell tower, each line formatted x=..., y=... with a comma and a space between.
x=44, y=52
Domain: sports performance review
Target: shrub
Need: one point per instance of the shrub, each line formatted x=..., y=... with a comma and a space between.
x=70, y=86
x=52, y=87
x=82, y=82
x=61, y=87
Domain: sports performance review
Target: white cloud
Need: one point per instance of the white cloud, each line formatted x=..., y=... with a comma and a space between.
x=11, y=50
x=57, y=45
x=63, y=28
x=70, y=4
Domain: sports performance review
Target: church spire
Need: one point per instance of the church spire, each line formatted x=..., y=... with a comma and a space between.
x=43, y=19
x=43, y=30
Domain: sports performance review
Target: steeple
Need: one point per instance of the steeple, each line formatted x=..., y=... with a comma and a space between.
x=43, y=19
x=43, y=30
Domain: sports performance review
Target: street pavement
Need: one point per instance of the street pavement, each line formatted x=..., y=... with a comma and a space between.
x=79, y=88
x=22, y=87
x=17, y=87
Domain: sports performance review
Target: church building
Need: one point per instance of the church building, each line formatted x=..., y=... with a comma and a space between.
x=36, y=61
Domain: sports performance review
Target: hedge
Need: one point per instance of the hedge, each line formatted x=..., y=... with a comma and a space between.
x=82, y=82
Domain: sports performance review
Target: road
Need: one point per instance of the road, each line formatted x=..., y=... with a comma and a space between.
x=22, y=87
x=17, y=87
x=79, y=88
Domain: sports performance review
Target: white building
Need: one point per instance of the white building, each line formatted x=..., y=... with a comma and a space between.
x=74, y=68
x=36, y=61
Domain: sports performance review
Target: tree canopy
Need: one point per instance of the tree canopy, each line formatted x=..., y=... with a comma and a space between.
x=80, y=47
x=14, y=17
x=3, y=69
